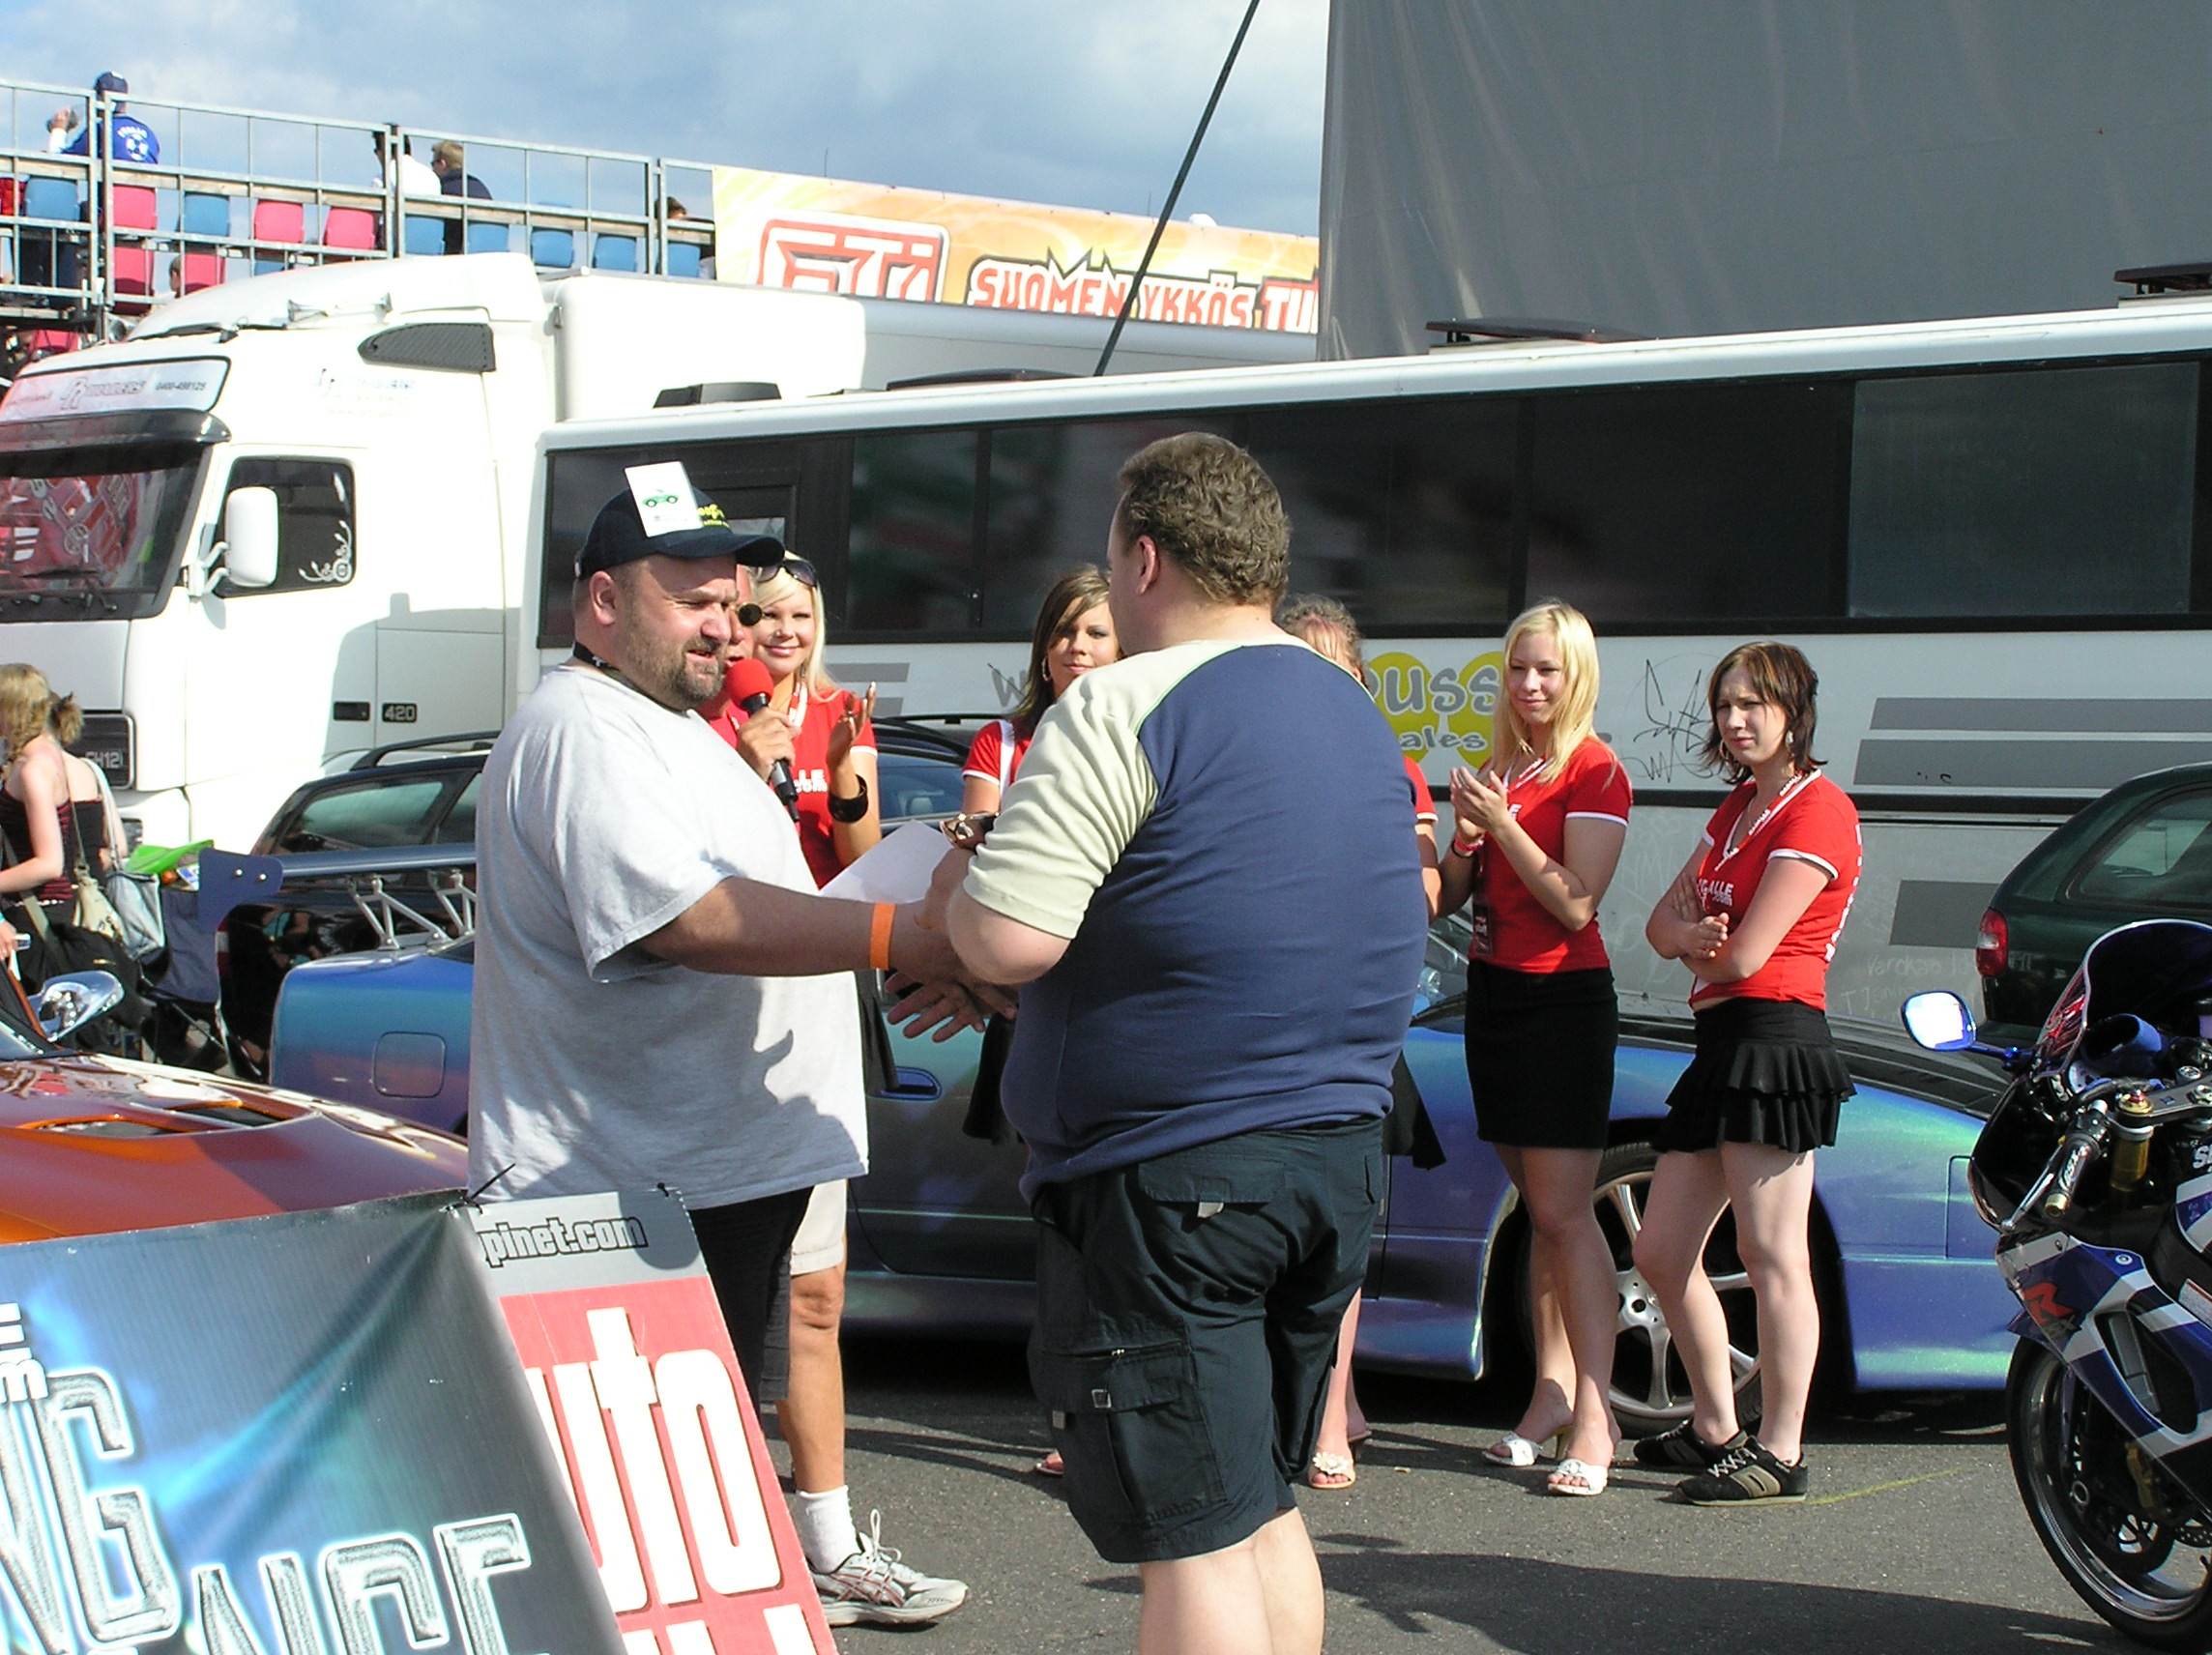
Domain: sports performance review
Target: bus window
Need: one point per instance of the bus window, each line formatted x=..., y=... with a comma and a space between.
x=1053, y=493
x=1689, y=504
x=910, y=563
x=751, y=485
x=2061, y=491
x=314, y=521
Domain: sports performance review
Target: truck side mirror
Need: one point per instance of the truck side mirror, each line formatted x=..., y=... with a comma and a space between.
x=250, y=537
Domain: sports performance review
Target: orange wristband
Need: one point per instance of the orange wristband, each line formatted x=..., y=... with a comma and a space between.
x=880, y=936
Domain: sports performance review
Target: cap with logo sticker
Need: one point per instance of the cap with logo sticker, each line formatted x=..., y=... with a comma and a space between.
x=662, y=515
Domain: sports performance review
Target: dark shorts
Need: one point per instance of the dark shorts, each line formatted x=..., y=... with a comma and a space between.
x=1188, y=1314
x=1539, y=1056
x=746, y=1248
x=1765, y=1072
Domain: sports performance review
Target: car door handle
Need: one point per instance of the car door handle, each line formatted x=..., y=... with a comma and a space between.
x=918, y=1085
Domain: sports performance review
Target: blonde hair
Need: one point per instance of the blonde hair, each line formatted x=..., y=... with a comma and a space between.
x=774, y=590
x=30, y=708
x=1576, y=715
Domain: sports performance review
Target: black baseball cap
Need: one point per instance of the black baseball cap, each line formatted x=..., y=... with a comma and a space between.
x=618, y=537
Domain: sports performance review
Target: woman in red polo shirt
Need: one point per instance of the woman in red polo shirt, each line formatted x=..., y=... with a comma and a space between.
x=1074, y=632
x=1538, y=836
x=1755, y=914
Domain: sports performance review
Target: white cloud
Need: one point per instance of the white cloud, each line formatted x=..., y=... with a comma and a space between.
x=1072, y=101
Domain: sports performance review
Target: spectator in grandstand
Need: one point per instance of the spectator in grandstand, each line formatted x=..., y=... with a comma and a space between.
x=1328, y=629
x=414, y=178
x=133, y=140
x=449, y=160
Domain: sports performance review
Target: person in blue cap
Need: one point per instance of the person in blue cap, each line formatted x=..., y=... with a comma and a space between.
x=132, y=139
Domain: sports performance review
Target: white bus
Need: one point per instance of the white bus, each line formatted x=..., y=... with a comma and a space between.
x=1993, y=539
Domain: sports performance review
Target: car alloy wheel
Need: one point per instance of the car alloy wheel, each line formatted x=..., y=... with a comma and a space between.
x=1650, y=1390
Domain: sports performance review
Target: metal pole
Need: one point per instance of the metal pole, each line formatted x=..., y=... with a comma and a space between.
x=1166, y=209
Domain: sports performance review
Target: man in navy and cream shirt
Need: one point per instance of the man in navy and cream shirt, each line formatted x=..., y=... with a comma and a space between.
x=1203, y=879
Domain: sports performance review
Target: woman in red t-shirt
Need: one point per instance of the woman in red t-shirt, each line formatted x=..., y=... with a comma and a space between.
x=1755, y=914
x=1074, y=632
x=832, y=749
x=1538, y=836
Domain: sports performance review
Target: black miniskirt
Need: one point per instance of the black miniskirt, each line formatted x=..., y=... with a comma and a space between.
x=1539, y=1056
x=1765, y=1072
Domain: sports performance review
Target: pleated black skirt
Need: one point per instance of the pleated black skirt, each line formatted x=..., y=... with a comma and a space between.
x=1765, y=1072
x=1539, y=1056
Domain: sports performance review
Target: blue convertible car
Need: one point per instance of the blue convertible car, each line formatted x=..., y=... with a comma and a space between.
x=941, y=1244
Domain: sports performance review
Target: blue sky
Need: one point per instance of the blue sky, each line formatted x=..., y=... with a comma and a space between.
x=1081, y=102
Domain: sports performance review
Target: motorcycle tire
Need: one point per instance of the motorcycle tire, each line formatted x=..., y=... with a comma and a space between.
x=2061, y=1437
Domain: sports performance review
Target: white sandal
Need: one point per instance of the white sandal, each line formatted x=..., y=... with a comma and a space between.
x=1518, y=1452
x=1571, y=1472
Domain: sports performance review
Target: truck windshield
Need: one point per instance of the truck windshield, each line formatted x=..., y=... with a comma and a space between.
x=91, y=528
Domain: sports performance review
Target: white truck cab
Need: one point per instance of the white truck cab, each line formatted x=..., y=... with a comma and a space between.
x=283, y=522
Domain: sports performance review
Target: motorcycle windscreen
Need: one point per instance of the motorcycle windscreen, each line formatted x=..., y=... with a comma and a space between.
x=2156, y=969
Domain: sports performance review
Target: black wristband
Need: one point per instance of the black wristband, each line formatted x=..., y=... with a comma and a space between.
x=850, y=809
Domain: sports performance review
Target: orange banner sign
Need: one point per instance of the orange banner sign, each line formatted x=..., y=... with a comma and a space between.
x=823, y=235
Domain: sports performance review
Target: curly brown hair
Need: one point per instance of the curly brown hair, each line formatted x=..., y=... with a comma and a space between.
x=1213, y=509
x=1780, y=675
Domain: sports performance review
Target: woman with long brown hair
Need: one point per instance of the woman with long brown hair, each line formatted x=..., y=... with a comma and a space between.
x=1755, y=914
x=1073, y=634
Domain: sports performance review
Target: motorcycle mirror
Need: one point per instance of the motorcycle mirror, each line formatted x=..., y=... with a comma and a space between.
x=68, y=1003
x=1939, y=1020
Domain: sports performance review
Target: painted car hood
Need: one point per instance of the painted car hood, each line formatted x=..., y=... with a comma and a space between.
x=90, y=1144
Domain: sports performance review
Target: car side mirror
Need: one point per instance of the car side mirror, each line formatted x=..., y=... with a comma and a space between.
x=1940, y=1020
x=68, y=1003
x=250, y=537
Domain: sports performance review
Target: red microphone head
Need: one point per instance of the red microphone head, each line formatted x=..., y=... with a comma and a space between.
x=746, y=680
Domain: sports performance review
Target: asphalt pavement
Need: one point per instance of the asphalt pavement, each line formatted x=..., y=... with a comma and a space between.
x=1913, y=1538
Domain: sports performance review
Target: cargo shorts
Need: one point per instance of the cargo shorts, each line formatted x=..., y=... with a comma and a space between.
x=1188, y=1316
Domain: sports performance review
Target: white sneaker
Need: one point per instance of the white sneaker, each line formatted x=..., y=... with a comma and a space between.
x=872, y=1585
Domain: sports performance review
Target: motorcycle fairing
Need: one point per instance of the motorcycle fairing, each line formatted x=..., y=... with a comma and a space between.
x=2066, y=1287
x=2193, y=1213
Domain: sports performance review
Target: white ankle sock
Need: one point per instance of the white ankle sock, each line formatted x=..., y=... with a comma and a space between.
x=824, y=1525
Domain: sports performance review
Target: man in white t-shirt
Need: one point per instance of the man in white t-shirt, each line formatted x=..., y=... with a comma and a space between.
x=661, y=997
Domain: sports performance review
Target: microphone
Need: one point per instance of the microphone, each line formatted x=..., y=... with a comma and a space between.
x=748, y=684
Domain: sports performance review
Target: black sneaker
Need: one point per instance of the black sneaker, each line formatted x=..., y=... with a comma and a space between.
x=1747, y=1472
x=1683, y=1449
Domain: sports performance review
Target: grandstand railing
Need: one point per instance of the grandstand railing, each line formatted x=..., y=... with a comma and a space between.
x=90, y=242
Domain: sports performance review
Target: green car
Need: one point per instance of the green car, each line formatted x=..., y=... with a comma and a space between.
x=2141, y=852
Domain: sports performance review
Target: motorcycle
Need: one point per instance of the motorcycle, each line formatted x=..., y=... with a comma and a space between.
x=2095, y=1169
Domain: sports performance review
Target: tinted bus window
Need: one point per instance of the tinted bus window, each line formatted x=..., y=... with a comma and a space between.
x=1693, y=504
x=752, y=484
x=1402, y=512
x=2063, y=491
x=912, y=566
x=1053, y=493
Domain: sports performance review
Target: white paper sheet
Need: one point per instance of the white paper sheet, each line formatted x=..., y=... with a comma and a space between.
x=897, y=870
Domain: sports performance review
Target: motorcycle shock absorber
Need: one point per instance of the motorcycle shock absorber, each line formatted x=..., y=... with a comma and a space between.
x=2132, y=1133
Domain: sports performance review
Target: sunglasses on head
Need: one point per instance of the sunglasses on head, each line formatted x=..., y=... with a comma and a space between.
x=799, y=568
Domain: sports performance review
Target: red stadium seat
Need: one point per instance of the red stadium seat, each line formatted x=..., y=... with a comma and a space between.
x=201, y=270
x=134, y=269
x=284, y=221
x=352, y=228
x=135, y=208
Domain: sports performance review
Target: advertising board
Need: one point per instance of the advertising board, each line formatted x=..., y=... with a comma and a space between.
x=827, y=235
